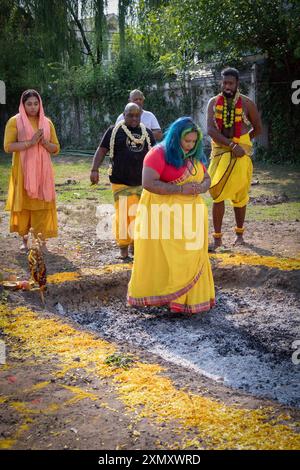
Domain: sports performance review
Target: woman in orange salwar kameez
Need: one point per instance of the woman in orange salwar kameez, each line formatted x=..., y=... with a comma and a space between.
x=31, y=195
x=171, y=265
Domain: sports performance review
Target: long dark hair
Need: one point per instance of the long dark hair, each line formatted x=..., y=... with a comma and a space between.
x=28, y=94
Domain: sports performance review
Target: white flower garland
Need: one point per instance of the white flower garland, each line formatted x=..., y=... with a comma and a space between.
x=140, y=140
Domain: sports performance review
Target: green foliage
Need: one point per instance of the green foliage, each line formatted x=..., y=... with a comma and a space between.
x=180, y=32
x=211, y=29
x=120, y=360
x=3, y=293
x=49, y=46
x=282, y=116
x=48, y=39
x=97, y=95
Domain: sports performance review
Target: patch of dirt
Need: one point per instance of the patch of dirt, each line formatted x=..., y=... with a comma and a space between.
x=55, y=423
x=266, y=200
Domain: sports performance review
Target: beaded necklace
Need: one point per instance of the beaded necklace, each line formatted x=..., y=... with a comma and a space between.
x=224, y=118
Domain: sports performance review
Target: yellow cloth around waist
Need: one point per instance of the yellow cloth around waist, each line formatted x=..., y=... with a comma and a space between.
x=231, y=176
x=122, y=190
x=126, y=199
x=244, y=142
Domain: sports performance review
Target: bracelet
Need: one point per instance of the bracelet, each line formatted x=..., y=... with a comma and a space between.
x=231, y=144
x=234, y=146
x=27, y=144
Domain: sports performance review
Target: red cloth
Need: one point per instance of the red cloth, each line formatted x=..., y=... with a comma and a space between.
x=36, y=160
x=155, y=159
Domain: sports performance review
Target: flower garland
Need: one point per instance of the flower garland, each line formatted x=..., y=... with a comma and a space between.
x=235, y=113
x=139, y=140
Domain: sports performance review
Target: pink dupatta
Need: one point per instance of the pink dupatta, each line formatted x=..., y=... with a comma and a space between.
x=36, y=161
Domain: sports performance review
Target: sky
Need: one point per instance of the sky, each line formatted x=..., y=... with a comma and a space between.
x=112, y=6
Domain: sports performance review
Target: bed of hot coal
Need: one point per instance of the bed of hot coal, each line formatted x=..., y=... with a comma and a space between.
x=245, y=342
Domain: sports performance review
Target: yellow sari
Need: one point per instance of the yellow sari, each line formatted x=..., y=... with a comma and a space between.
x=231, y=176
x=172, y=270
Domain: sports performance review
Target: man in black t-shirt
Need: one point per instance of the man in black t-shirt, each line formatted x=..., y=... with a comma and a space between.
x=127, y=143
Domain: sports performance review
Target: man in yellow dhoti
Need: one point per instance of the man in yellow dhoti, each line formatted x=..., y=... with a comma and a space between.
x=171, y=265
x=229, y=117
x=127, y=144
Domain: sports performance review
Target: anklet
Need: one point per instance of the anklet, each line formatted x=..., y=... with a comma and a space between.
x=239, y=230
x=217, y=235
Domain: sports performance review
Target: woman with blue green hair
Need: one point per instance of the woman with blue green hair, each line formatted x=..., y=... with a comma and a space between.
x=171, y=265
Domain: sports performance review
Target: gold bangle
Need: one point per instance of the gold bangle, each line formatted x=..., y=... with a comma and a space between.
x=239, y=230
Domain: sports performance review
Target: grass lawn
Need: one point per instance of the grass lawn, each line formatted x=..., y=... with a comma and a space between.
x=76, y=169
x=274, y=180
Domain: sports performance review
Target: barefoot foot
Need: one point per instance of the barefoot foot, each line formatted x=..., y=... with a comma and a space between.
x=239, y=240
x=124, y=252
x=24, y=245
x=217, y=243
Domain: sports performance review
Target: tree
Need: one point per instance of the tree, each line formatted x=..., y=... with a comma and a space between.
x=123, y=6
x=180, y=33
x=181, y=29
x=100, y=22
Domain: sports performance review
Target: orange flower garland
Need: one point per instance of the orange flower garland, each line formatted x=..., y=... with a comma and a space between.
x=236, y=111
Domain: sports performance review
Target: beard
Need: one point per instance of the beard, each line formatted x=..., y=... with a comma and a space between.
x=229, y=94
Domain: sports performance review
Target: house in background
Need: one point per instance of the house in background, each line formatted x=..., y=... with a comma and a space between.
x=112, y=29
